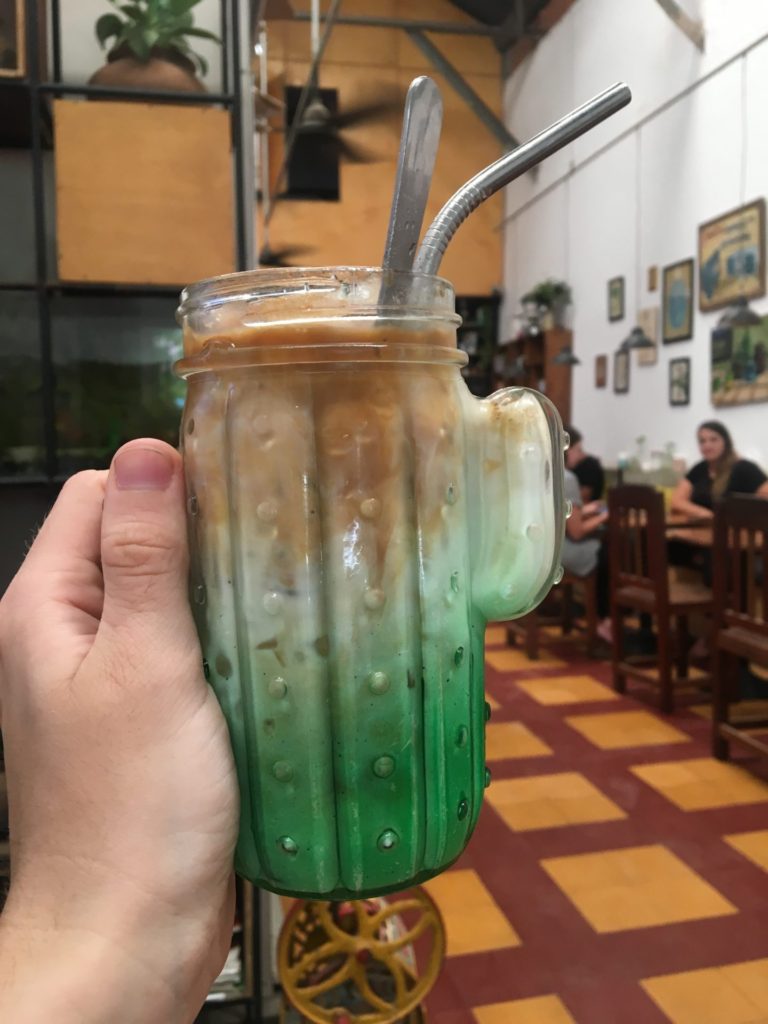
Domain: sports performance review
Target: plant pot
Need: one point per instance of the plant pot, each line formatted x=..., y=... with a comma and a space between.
x=559, y=311
x=166, y=70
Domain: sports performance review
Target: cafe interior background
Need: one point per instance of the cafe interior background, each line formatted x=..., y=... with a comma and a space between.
x=619, y=869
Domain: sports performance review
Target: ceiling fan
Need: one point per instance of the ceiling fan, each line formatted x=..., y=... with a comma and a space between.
x=280, y=256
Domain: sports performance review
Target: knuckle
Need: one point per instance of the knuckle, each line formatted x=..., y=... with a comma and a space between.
x=139, y=549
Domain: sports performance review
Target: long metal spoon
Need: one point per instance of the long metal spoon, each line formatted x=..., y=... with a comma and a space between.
x=422, y=121
x=511, y=166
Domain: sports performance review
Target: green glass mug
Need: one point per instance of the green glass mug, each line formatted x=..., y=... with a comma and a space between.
x=356, y=516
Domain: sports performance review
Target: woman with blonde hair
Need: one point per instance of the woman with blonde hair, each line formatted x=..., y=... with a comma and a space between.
x=720, y=472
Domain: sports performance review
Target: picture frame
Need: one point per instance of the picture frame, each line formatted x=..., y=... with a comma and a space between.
x=677, y=302
x=601, y=371
x=653, y=278
x=648, y=320
x=621, y=373
x=739, y=365
x=13, y=51
x=731, y=256
x=616, y=299
x=680, y=381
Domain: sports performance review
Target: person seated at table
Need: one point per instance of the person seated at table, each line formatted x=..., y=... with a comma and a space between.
x=586, y=468
x=584, y=551
x=721, y=472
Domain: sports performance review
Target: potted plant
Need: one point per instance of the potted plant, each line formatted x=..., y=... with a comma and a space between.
x=553, y=296
x=149, y=46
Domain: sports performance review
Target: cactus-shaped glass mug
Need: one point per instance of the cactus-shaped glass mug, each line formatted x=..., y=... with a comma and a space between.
x=356, y=517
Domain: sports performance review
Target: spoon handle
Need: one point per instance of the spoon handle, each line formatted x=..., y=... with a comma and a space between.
x=511, y=166
x=422, y=120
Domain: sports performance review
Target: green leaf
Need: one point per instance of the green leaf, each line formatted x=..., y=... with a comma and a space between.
x=108, y=25
x=181, y=6
x=137, y=42
x=203, y=63
x=200, y=33
x=132, y=11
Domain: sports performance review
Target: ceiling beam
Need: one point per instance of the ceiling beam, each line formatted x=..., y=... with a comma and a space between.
x=691, y=27
x=449, y=27
x=547, y=17
x=457, y=81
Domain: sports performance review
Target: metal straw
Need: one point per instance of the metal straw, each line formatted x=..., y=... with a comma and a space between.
x=511, y=166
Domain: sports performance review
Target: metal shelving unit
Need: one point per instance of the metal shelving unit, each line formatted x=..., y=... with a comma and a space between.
x=36, y=90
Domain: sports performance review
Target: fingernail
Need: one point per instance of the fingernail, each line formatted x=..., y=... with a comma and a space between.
x=142, y=469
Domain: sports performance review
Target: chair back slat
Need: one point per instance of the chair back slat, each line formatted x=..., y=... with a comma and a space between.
x=636, y=540
x=740, y=586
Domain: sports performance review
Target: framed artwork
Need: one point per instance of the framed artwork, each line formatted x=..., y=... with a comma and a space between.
x=13, y=63
x=679, y=381
x=621, y=373
x=616, y=298
x=648, y=319
x=739, y=373
x=653, y=278
x=677, y=301
x=732, y=256
x=601, y=371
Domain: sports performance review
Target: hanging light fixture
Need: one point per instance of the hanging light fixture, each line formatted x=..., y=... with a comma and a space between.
x=637, y=338
x=739, y=314
x=565, y=357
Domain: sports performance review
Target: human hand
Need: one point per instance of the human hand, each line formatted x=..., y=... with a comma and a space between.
x=121, y=785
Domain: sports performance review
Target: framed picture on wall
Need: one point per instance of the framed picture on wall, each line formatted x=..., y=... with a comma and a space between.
x=648, y=320
x=679, y=381
x=621, y=373
x=653, y=278
x=739, y=371
x=732, y=256
x=601, y=371
x=616, y=298
x=677, y=301
x=12, y=49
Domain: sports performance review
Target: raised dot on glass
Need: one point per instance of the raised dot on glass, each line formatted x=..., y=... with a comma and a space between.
x=458, y=656
x=568, y=508
x=463, y=809
x=384, y=766
x=272, y=602
x=373, y=598
x=278, y=688
x=370, y=508
x=487, y=777
x=530, y=451
x=288, y=845
x=462, y=735
x=559, y=573
x=455, y=582
x=266, y=511
x=192, y=506
x=547, y=471
x=199, y=594
x=283, y=771
x=534, y=531
x=487, y=711
x=378, y=682
x=191, y=425
x=388, y=840
x=450, y=494
x=566, y=440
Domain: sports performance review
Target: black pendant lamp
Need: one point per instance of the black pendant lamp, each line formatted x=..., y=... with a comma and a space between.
x=739, y=314
x=565, y=357
x=637, y=338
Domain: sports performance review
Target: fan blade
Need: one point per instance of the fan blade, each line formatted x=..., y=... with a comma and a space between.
x=364, y=113
x=353, y=152
x=277, y=257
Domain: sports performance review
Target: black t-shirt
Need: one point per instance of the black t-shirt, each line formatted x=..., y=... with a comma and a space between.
x=745, y=478
x=590, y=474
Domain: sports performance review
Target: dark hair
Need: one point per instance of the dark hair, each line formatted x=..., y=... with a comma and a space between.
x=726, y=461
x=574, y=434
x=718, y=428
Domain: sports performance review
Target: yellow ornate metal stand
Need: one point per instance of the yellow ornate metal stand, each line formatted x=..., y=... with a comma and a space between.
x=355, y=962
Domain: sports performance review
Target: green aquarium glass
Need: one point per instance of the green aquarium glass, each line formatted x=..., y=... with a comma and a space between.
x=356, y=517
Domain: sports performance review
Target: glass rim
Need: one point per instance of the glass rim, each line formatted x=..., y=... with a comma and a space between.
x=224, y=288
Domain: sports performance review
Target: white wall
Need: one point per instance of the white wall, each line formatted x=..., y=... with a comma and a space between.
x=632, y=193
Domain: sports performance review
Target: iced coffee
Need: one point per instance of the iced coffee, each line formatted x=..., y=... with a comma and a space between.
x=356, y=517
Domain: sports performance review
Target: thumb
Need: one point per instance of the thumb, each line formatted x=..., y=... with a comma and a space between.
x=144, y=540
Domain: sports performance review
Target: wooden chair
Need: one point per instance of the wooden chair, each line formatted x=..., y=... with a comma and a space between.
x=740, y=627
x=527, y=627
x=639, y=583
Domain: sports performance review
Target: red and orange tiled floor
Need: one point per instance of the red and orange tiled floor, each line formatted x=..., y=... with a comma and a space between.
x=617, y=874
